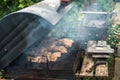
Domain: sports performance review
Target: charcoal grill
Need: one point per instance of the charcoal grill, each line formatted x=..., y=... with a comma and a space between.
x=21, y=32
x=19, y=27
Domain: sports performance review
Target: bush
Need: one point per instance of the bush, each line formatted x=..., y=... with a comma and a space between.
x=114, y=36
x=8, y=6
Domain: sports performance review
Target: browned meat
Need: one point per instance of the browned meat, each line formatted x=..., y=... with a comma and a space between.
x=52, y=49
x=67, y=42
x=37, y=59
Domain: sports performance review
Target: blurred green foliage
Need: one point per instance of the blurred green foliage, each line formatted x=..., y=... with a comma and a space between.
x=8, y=6
x=105, y=5
x=114, y=35
x=1, y=75
x=110, y=61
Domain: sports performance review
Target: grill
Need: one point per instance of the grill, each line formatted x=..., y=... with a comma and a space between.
x=33, y=44
x=20, y=30
x=25, y=33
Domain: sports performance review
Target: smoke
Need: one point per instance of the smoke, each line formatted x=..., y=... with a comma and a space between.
x=34, y=33
x=74, y=25
x=83, y=27
x=69, y=26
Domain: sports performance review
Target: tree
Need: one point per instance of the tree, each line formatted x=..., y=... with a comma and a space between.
x=8, y=6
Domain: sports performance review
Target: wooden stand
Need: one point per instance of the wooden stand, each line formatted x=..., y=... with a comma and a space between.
x=98, y=52
x=87, y=69
x=101, y=70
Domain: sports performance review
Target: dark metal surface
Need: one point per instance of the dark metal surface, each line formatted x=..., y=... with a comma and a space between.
x=26, y=38
x=20, y=30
